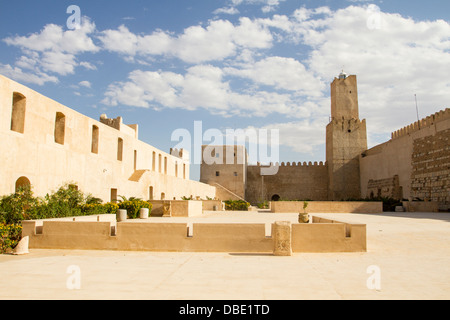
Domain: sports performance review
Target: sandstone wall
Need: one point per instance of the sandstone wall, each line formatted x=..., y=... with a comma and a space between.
x=294, y=181
x=48, y=144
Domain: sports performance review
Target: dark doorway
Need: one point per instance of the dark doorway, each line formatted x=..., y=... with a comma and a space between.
x=275, y=197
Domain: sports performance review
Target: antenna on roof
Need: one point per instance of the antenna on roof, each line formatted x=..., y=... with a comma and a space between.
x=417, y=110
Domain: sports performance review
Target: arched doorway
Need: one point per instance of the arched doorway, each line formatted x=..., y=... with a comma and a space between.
x=276, y=197
x=22, y=182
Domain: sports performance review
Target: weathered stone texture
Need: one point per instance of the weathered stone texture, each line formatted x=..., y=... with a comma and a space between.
x=387, y=188
x=430, y=179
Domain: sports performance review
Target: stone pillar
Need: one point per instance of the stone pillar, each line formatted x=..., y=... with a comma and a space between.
x=282, y=238
x=167, y=209
x=121, y=215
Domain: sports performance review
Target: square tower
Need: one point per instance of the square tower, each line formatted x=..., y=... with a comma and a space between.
x=346, y=140
x=225, y=167
x=344, y=97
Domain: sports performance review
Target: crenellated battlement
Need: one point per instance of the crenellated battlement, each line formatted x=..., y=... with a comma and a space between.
x=295, y=164
x=421, y=124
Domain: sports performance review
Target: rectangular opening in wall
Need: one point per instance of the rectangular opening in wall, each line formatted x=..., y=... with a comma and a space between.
x=154, y=161
x=159, y=163
x=113, y=195
x=165, y=165
x=60, y=128
x=150, y=193
x=18, y=112
x=120, y=149
x=95, y=138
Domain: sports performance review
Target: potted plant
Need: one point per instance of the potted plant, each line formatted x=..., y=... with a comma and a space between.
x=303, y=217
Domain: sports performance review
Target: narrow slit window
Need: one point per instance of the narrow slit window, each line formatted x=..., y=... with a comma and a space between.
x=19, y=106
x=120, y=149
x=60, y=128
x=95, y=137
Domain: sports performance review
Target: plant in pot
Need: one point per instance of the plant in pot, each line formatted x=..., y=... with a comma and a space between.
x=303, y=217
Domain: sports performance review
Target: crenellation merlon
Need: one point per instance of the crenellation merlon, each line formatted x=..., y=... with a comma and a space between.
x=422, y=123
x=117, y=123
x=294, y=164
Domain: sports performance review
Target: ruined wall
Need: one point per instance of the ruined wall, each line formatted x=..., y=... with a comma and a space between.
x=296, y=181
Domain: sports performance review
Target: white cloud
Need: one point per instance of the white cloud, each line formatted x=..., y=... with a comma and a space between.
x=281, y=73
x=226, y=10
x=217, y=41
x=18, y=74
x=87, y=65
x=85, y=84
x=53, y=50
x=302, y=136
x=393, y=60
x=202, y=86
x=267, y=5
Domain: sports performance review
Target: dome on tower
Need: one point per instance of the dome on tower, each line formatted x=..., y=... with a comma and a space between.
x=343, y=75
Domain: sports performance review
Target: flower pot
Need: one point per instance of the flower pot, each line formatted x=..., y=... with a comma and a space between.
x=121, y=215
x=303, y=218
x=143, y=213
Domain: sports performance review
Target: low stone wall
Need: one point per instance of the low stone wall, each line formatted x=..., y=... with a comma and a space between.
x=213, y=205
x=136, y=235
x=420, y=206
x=326, y=207
x=179, y=208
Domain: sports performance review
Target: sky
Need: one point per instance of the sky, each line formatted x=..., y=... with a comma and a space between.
x=232, y=64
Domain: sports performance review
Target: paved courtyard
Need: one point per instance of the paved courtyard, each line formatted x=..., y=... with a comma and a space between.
x=408, y=257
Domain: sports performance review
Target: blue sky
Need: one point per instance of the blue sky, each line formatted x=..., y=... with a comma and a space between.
x=263, y=64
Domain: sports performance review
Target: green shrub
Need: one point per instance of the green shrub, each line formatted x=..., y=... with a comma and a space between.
x=236, y=205
x=111, y=207
x=263, y=205
x=133, y=207
x=15, y=207
x=10, y=235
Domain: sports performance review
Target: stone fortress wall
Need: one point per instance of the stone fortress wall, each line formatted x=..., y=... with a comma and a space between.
x=47, y=144
x=294, y=181
x=413, y=165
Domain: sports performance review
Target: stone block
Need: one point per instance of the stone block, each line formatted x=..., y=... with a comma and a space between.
x=282, y=238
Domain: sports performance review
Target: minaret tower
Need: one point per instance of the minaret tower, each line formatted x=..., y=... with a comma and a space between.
x=346, y=140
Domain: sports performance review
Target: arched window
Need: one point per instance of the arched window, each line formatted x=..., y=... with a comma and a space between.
x=165, y=165
x=95, y=137
x=19, y=106
x=150, y=193
x=22, y=182
x=154, y=161
x=159, y=163
x=176, y=169
x=60, y=127
x=119, y=149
